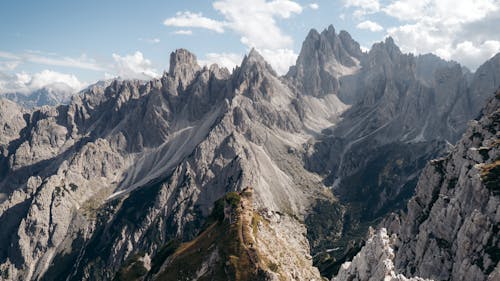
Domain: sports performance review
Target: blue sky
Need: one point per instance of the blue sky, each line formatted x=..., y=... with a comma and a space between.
x=80, y=42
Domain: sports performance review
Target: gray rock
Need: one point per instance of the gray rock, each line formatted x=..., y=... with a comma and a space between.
x=450, y=231
x=129, y=166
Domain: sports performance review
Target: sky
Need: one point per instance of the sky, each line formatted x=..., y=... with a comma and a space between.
x=79, y=42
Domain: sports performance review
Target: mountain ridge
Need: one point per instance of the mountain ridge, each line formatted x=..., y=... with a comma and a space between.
x=168, y=148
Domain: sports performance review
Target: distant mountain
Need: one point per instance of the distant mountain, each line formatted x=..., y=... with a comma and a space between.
x=124, y=181
x=55, y=94
x=51, y=95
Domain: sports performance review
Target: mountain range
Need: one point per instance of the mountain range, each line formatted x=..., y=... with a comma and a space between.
x=207, y=174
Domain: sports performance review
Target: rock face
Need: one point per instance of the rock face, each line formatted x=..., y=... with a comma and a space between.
x=450, y=231
x=183, y=66
x=374, y=262
x=451, y=228
x=108, y=181
x=398, y=121
x=11, y=122
x=127, y=168
x=239, y=244
x=323, y=59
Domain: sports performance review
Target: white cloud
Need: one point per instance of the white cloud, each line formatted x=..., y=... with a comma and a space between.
x=26, y=83
x=188, y=19
x=151, y=40
x=47, y=77
x=134, y=66
x=363, y=7
x=406, y=10
x=364, y=49
x=7, y=55
x=448, y=11
x=227, y=60
x=451, y=29
x=183, y=32
x=470, y=54
x=314, y=6
x=256, y=23
x=370, y=25
x=82, y=62
x=280, y=59
x=8, y=65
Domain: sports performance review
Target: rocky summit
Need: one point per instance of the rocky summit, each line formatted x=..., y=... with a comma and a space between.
x=206, y=174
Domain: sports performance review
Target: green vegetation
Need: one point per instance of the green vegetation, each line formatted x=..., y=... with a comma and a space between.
x=233, y=198
x=221, y=238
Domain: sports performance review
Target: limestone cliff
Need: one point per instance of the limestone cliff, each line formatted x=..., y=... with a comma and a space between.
x=450, y=230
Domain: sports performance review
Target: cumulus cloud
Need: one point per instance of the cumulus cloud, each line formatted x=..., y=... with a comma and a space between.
x=134, y=66
x=469, y=53
x=280, y=59
x=256, y=24
x=189, y=19
x=25, y=83
x=370, y=25
x=227, y=60
x=448, y=11
x=363, y=7
x=183, y=32
x=451, y=29
x=314, y=6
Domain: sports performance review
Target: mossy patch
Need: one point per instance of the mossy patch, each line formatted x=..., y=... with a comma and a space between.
x=222, y=238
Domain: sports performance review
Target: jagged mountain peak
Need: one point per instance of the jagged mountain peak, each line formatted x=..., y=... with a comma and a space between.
x=180, y=59
x=136, y=164
x=329, y=33
x=313, y=33
x=329, y=40
x=254, y=68
x=351, y=45
x=323, y=59
x=387, y=46
x=254, y=58
x=183, y=67
x=330, y=29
